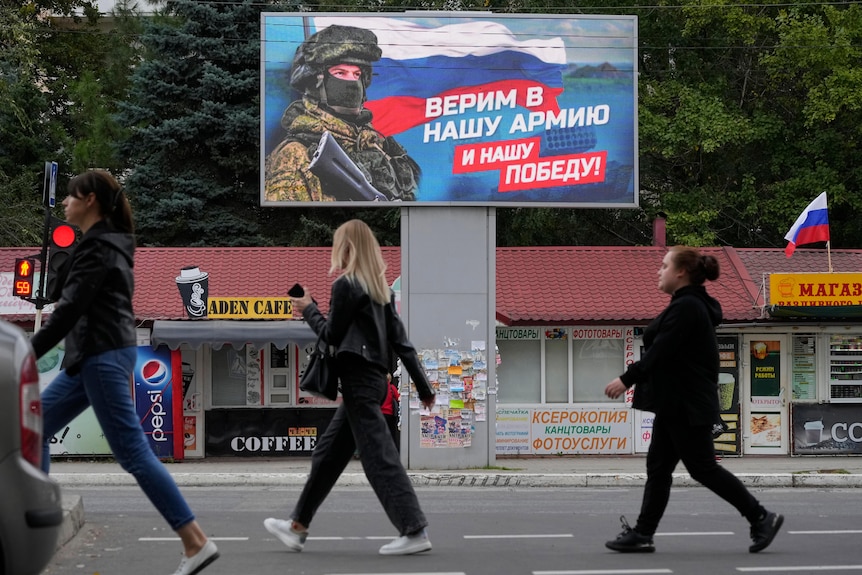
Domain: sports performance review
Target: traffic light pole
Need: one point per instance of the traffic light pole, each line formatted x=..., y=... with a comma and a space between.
x=40, y=299
x=48, y=200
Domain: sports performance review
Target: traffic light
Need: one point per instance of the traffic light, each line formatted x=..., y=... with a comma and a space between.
x=25, y=270
x=61, y=241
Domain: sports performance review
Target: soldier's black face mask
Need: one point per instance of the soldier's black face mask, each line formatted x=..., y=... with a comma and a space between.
x=343, y=96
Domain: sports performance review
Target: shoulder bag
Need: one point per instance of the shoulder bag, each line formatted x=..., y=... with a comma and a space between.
x=320, y=377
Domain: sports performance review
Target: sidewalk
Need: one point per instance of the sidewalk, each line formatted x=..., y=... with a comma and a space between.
x=596, y=471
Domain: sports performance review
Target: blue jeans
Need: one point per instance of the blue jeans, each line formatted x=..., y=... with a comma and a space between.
x=103, y=383
x=358, y=422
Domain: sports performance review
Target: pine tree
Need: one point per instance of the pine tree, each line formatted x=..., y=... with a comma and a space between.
x=192, y=156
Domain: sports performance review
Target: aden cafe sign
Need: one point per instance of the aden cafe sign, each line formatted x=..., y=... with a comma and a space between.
x=193, y=284
x=815, y=295
x=249, y=308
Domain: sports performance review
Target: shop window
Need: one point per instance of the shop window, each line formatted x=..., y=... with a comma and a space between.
x=845, y=368
x=804, y=367
x=279, y=376
x=519, y=373
x=556, y=371
x=229, y=372
x=595, y=362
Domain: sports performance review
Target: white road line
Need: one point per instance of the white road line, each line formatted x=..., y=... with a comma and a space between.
x=828, y=532
x=604, y=572
x=521, y=536
x=404, y=573
x=800, y=568
x=177, y=538
x=680, y=533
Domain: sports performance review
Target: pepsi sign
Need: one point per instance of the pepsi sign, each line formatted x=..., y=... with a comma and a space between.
x=154, y=398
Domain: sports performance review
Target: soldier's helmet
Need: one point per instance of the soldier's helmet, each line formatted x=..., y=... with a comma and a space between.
x=334, y=45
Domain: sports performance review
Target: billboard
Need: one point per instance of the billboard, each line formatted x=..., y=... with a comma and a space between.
x=449, y=109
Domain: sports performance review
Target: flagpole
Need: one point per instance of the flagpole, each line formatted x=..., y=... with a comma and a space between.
x=829, y=255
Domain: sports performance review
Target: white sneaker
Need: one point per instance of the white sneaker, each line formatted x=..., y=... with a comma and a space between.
x=199, y=561
x=407, y=544
x=293, y=539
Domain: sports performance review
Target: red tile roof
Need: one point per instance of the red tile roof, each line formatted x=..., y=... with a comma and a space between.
x=535, y=285
x=565, y=285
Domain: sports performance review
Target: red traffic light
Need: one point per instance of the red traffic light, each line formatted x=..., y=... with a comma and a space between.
x=63, y=236
x=23, y=283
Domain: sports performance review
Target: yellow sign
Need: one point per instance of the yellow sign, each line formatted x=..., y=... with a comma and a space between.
x=249, y=308
x=835, y=289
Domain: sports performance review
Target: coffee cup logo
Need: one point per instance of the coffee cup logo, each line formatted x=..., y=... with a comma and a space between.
x=194, y=287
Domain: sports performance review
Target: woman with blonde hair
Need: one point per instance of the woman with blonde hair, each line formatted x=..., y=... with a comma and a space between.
x=363, y=325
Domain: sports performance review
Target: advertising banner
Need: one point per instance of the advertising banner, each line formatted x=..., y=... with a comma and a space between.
x=827, y=289
x=83, y=436
x=265, y=432
x=449, y=109
x=564, y=431
x=729, y=442
x=827, y=429
x=159, y=408
x=765, y=366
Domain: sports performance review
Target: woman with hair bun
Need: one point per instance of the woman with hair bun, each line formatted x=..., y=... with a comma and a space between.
x=677, y=379
x=94, y=314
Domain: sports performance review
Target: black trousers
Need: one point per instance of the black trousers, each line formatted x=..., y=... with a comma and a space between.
x=358, y=422
x=674, y=440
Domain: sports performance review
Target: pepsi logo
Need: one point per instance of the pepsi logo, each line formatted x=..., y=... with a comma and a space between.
x=154, y=372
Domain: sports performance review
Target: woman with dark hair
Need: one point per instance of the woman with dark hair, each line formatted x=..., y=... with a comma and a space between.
x=677, y=379
x=93, y=311
x=364, y=326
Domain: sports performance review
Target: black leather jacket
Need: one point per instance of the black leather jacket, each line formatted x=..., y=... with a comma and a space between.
x=360, y=326
x=678, y=372
x=94, y=310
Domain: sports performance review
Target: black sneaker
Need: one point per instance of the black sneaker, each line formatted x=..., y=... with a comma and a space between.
x=630, y=541
x=764, y=531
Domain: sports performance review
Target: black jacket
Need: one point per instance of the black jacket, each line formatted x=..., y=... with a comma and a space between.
x=360, y=326
x=678, y=372
x=94, y=310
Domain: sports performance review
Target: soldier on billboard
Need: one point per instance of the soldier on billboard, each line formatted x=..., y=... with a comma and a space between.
x=332, y=69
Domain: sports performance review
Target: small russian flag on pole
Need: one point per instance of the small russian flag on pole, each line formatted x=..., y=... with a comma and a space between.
x=811, y=227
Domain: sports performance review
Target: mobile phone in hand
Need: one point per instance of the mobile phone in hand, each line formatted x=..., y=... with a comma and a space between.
x=296, y=291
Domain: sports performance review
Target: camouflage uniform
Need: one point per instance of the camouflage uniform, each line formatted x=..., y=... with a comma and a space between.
x=384, y=162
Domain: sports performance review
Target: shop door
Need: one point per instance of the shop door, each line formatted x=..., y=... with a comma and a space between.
x=765, y=373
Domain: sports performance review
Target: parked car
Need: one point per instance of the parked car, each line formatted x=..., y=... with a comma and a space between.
x=31, y=510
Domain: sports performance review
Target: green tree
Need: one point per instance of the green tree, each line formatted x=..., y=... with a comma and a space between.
x=192, y=112
x=29, y=137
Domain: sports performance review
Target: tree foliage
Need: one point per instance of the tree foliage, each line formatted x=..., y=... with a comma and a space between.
x=746, y=113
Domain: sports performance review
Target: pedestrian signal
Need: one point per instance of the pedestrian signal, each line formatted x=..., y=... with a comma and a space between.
x=25, y=270
x=61, y=242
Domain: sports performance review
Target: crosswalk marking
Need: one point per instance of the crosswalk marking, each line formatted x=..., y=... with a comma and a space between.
x=604, y=572
x=178, y=539
x=698, y=533
x=800, y=568
x=521, y=536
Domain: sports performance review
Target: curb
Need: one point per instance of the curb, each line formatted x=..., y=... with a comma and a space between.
x=455, y=479
x=73, y=518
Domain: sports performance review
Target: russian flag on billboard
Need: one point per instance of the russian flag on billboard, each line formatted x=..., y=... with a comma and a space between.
x=810, y=227
x=459, y=62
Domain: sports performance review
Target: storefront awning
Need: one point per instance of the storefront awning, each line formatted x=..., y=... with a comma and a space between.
x=236, y=333
x=816, y=312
